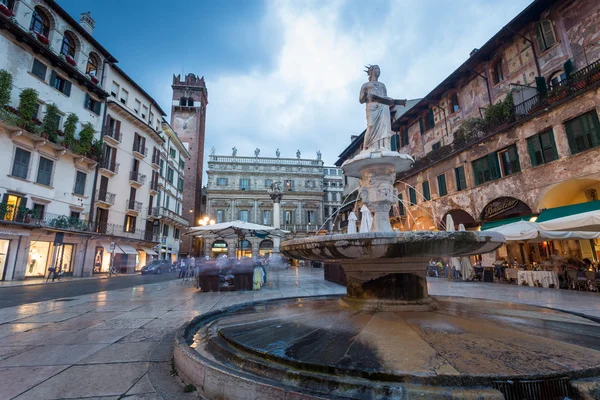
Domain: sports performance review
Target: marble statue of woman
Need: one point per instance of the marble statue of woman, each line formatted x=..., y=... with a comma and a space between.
x=374, y=94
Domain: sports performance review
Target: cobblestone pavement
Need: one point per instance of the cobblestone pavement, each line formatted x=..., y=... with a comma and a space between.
x=103, y=345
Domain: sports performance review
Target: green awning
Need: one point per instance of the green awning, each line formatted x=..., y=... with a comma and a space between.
x=565, y=211
x=494, y=224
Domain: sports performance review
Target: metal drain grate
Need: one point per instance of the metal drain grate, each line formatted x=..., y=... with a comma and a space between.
x=544, y=389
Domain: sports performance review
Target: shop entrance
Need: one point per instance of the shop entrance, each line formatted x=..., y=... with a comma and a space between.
x=244, y=249
x=4, y=245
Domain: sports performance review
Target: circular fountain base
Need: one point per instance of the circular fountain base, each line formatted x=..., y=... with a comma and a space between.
x=314, y=349
x=425, y=304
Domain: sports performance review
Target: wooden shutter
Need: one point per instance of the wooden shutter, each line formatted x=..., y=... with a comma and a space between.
x=52, y=78
x=97, y=106
x=568, y=67
x=405, y=136
x=533, y=146
x=571, y=136
x=539, y=37
x=442, y=190
x=118, y=128
x=540, y=83
x=86, y=102
x=547, y=142
x=426, y=192
x=67, y=91
x=593, y=127
x=39, y=69
x=431, y=118
x=460, y=175
x=548, y=32
x=421, y=127
x=513, y=155
x=401, y=205
x=103, y=183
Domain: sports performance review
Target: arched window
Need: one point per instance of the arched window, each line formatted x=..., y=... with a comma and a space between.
x=182, y=101
x=190, y=102
x=544, y=34
x=92, y=65
x=497, y=72
x=40, y=22
x=454, y=105
x=68, y=45
x=556, y=78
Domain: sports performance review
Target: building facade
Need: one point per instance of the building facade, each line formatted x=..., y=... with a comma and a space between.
x=55, y=68
x=333, y=188
x=84, y=147
x=237, y=189
x=188, y=119
x=513, y=131
x=127, y=182
x=169, y=201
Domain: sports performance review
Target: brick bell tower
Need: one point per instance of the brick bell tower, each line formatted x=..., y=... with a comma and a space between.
x=188, y=119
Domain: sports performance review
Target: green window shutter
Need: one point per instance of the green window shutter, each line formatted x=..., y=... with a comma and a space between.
x=405, y=136
x=53, y=78
x=533, y=145
x=67, y=91
x=594, y=127
x=426, y=192
x=421, y=127
x=548, y=146
x=412, y=196
x=494, y=166
x=394, y=142
x=568, y=68
x=431, y=118
x=477, y=171
x=571, y=136
x=540, y=83
x=513, y=154
x=401, y=205
x=442, y=190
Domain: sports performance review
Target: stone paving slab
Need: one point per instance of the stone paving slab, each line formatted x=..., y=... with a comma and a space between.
x=88, y=380
x=52, y=355
x=125, y=323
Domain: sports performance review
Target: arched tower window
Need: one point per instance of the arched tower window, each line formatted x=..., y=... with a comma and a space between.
x=190, y=101
x=40, y=23
x=92, y=65
x=182, y=101
x=68, y=45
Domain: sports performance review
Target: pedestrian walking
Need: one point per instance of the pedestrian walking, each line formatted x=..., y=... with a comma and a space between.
x=51, y=271
x=183, y=269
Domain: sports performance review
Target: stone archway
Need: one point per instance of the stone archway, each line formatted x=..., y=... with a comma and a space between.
x=569, y=192
x=460, y=217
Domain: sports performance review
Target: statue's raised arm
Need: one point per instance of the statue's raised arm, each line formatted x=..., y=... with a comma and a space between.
x=374, y=94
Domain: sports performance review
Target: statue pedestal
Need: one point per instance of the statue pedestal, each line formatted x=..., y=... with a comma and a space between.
x=377, y=172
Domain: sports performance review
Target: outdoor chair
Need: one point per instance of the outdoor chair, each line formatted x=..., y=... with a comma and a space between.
x=576, y=280
x=592, y=284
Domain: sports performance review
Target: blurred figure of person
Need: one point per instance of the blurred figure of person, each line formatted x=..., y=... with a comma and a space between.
x=183, y=269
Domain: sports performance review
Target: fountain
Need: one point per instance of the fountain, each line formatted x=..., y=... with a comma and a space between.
x=386, y=337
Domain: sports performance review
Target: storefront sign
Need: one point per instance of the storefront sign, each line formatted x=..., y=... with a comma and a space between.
x=219, y=245
x=498, y=206
x=13, y=233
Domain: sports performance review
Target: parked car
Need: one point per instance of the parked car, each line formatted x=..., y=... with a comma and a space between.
x=156, y=267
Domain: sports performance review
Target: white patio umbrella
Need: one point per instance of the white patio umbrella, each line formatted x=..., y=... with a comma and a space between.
x=236, y=228
x=352, y=222
x=366, y=220
x=531, y=231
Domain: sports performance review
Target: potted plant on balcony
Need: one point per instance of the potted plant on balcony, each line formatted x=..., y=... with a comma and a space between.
x=86, y=137
x=4, y=208
x=50, y=122
x=43, y=39
x=579, y=84
x=96, y=150
x=595, y=74
x=28, y=100
x=6, y=83
x=70, y=127
x=557, y=94
x=70, y=60
x=5, y=10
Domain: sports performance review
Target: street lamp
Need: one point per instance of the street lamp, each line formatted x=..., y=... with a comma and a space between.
x=204, y=221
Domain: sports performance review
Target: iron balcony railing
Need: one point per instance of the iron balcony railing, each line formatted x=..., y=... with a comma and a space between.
x=110, y=165
x=173, y=216
x=119, y=230
x=105, y=197
x=135, y=176
x=133, y=205
x=112, y=133
x=58, y=221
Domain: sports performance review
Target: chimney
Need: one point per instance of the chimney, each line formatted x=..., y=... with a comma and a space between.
x=87, y=22
x=353, y=137
x=473, y=52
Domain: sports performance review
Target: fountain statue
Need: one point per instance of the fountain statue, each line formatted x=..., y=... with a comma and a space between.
x=386, y=338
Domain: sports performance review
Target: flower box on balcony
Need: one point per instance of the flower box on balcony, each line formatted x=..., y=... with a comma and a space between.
x=43, y=39
x=4, y=10
x=71, y=61
x=94, y=79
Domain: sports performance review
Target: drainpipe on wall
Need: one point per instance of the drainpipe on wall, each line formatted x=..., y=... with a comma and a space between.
x=537, y=63
x=487, y=83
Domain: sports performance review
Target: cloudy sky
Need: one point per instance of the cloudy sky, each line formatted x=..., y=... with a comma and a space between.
x=286, y=74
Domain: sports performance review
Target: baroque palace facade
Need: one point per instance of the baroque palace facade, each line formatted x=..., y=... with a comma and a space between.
x=237, y=189
x=511, y=132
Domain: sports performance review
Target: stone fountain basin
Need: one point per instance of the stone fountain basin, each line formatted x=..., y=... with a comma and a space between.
x=378, y=247
x=392, y=161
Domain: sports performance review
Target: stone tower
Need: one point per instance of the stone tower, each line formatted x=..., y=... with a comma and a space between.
x=188, y=119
